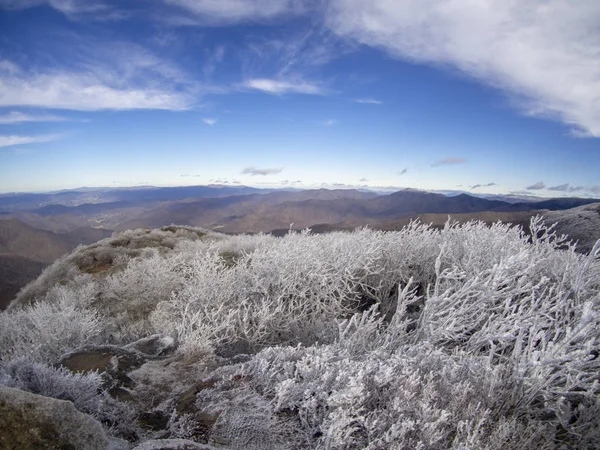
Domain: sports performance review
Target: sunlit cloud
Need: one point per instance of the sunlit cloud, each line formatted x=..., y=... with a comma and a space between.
x=209, y=121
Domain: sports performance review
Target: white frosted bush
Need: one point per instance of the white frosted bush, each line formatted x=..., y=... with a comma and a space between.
x=467, y=337
x=45, y=331
x=84, y=390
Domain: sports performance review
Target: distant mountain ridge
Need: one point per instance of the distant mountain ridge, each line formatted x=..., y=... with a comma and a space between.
x=241, y=209
x=12, y=202
x=40, y=234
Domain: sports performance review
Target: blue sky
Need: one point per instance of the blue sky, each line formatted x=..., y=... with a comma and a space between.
x=473, y=95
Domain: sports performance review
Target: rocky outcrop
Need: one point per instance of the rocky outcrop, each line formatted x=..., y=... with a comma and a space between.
x=33, y=421
x=115, y=363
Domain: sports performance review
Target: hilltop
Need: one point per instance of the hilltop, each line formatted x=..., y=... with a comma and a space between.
x=468, y=336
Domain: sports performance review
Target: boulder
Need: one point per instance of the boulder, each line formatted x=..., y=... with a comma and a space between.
x=103, y=358
x=155, y=346
x=112, y=362
x=33, y=421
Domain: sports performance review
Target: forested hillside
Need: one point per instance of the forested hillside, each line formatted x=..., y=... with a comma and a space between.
x=468, y=337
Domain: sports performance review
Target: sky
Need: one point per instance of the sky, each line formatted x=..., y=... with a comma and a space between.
x=480, y=96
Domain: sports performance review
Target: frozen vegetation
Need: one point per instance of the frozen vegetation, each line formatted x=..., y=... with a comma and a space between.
x=470, y=337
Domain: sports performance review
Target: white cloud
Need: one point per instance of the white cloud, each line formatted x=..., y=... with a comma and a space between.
x=209, y=121
x=368, y=101
x=73, y=9
x=279, y=87
x=9, y=141
x=15, y=117
x=233, y=11
x=255, y=171
x=544, y=53
x=449, y=161
x=96, y=89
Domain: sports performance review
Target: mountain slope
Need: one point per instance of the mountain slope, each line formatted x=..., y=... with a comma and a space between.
x=581, y=224
x=25, y=251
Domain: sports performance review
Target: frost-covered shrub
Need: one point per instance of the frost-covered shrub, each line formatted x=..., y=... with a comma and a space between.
x=48, y=329
x=109, y=256
x=465, y=337
x=417, y=398
x=84, y=390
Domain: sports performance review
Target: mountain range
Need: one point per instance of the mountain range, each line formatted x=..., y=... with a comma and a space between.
x=245, y=209
x=35, y=229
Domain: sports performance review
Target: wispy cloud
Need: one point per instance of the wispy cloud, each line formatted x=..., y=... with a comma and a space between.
x=403, y=171
x=139, y=82
x=475, y=186
x=594, y=189
x=214, y=59
x=15, y=117
x=73, y=9
x=368, y=101
x=561, y=187
x=451, y=161
x=222, y=12
x=209, y=121
x=255, y=171
x=544, y=54
x=11, y=140
x=363, y=180
x=536, y=186
x=565, y=188
x=279, y=87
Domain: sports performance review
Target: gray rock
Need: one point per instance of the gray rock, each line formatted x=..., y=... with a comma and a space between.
x=112, y=362
x=173, y=444
x=154, y=346
x=103, y=358
x=33, y=421
x=118, y=444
